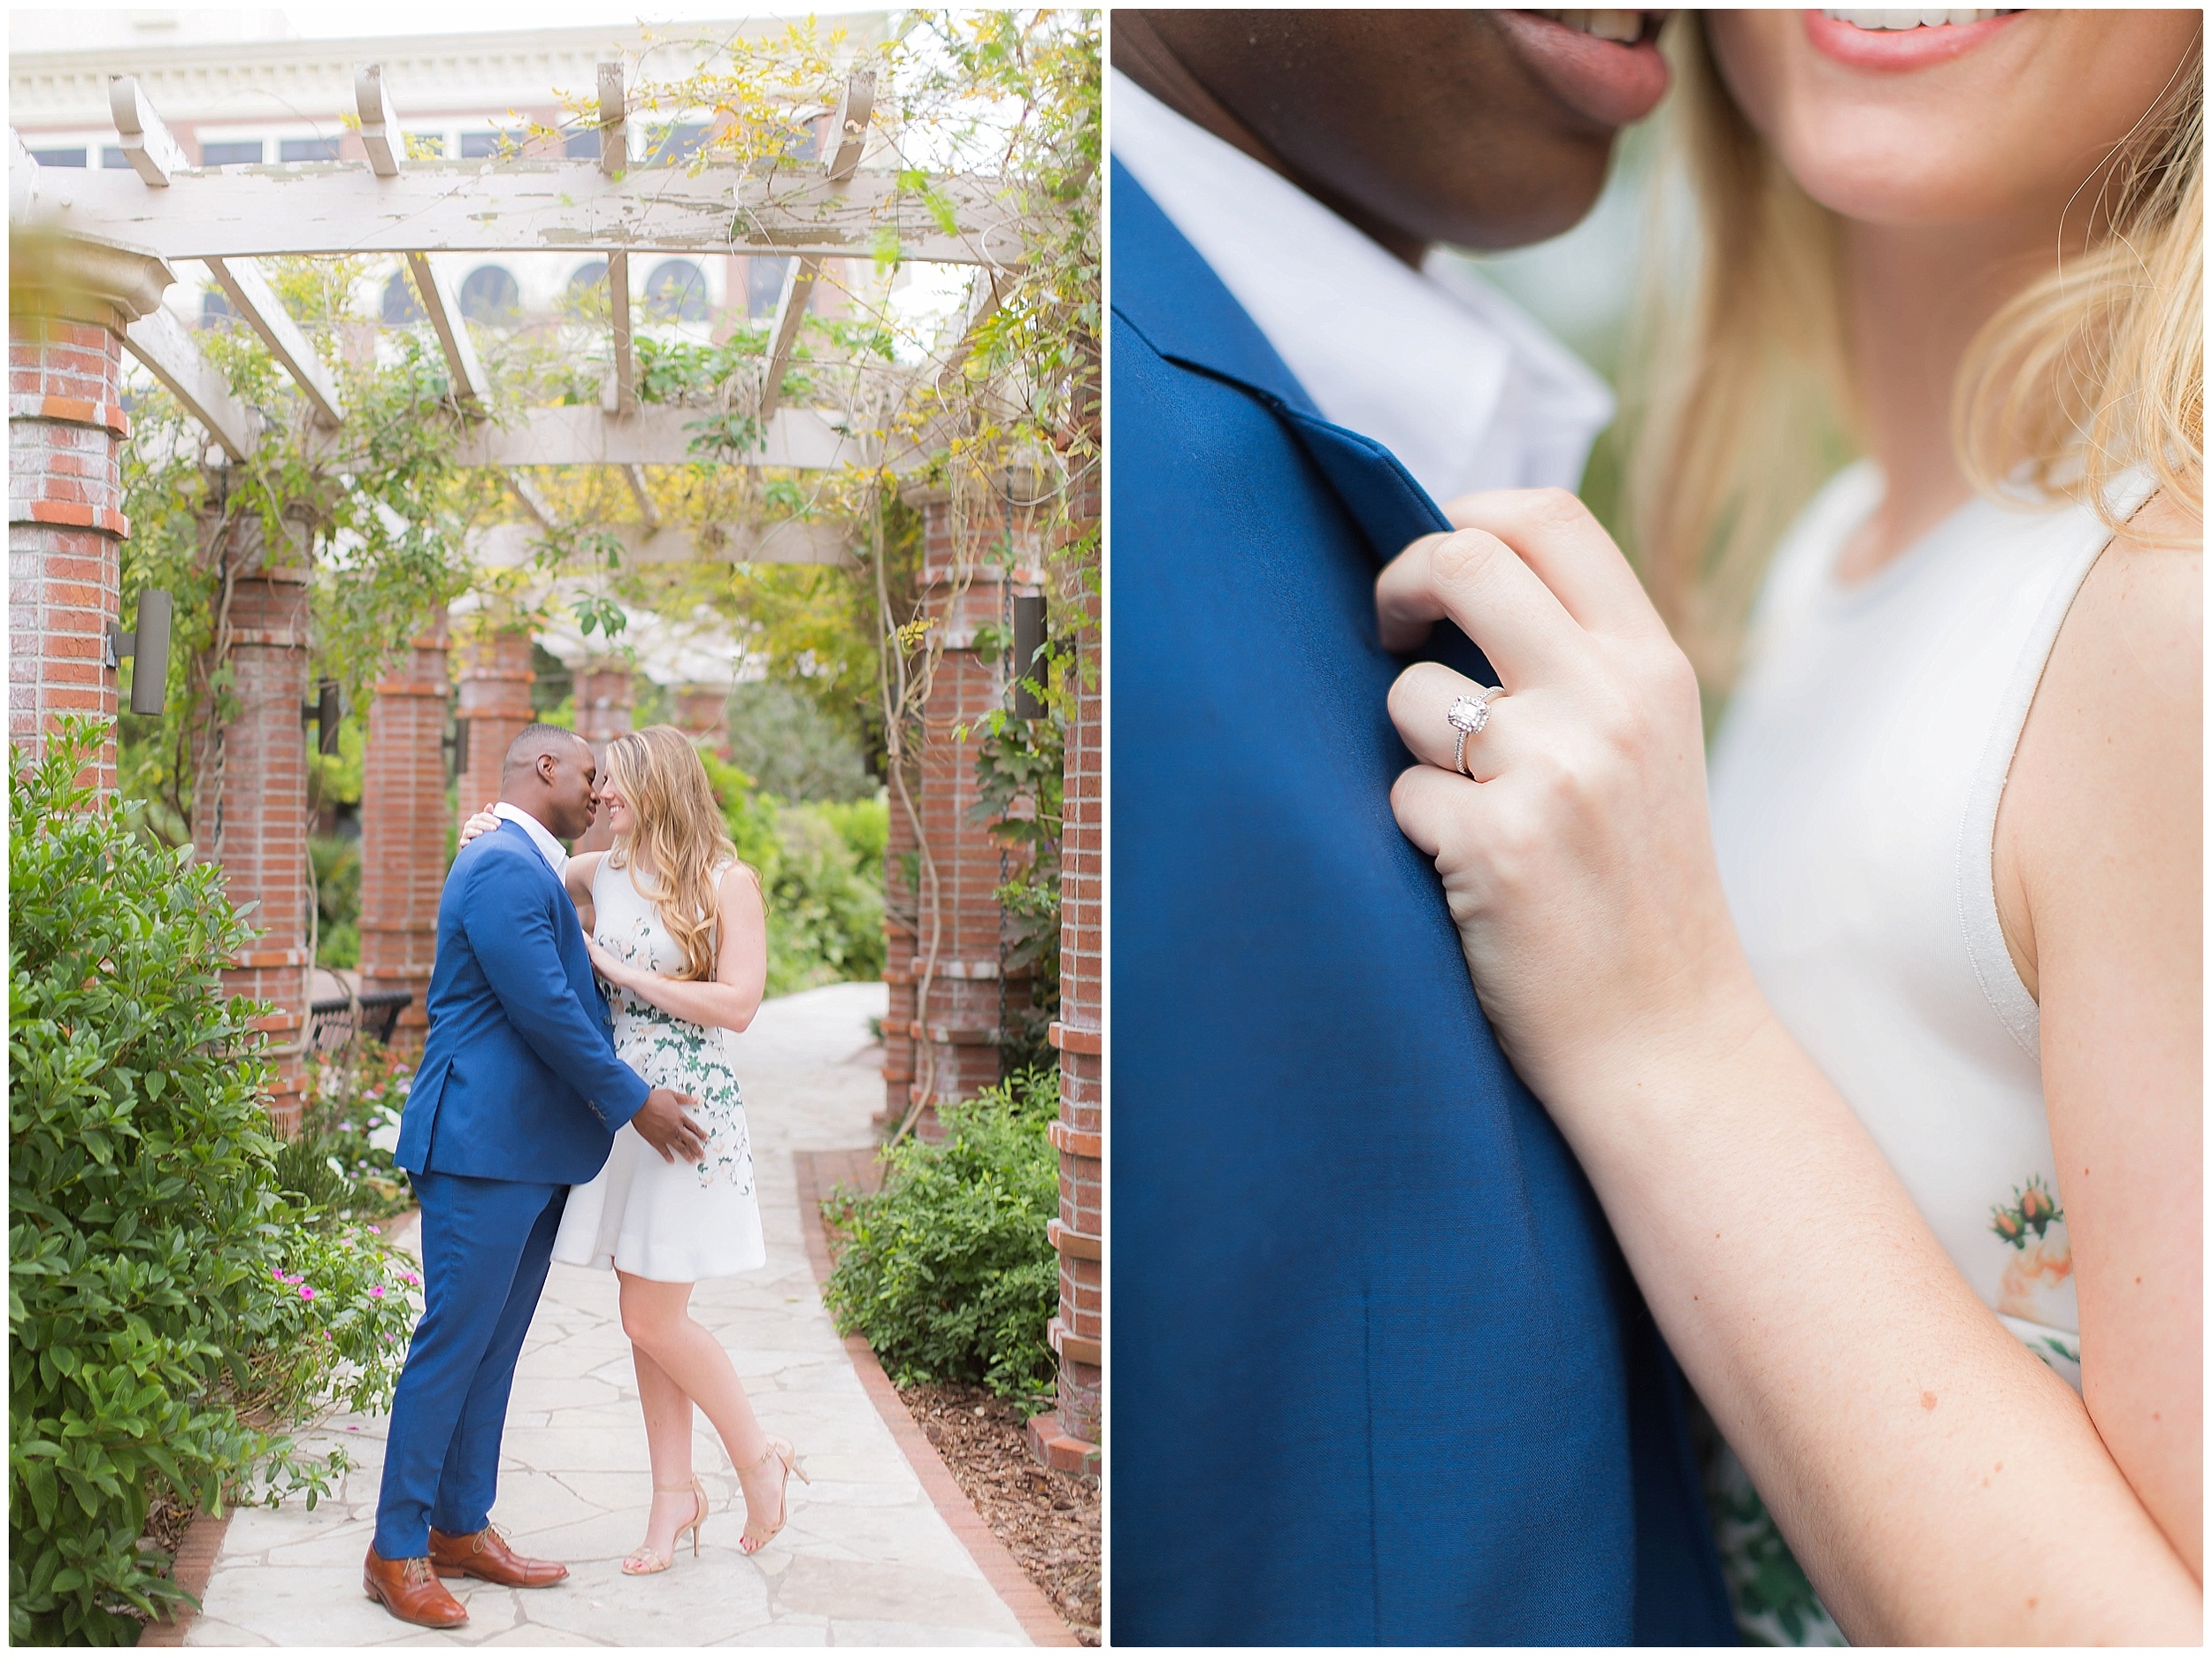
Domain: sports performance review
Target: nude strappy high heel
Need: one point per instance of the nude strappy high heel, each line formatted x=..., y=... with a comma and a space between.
x=645, y=1562
x=758, y=1535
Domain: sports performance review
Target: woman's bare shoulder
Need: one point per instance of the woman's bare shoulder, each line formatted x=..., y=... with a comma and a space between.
x=2112, y=754
x=581, y=868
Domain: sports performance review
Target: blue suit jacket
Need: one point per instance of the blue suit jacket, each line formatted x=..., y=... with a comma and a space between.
x=519, y=1078
x=1380, y=1374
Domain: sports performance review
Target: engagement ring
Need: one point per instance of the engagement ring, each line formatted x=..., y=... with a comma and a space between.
x=1468, y=715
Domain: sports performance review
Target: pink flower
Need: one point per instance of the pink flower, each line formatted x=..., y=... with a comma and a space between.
x=376, y=1294
x=306, y=1292
x=410, y=1279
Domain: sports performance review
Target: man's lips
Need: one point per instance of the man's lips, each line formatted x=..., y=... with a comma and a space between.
x=1610, y=82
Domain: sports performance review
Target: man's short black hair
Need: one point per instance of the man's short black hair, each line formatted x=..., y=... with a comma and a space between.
x=522, y=753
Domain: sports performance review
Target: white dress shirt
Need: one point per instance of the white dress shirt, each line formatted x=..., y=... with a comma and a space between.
x=548, y=846
x=1464, y=389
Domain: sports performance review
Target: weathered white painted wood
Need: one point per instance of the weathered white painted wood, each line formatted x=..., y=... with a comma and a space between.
x=27, y=201
x=783, y=333
x=798, y=438
x=148, y=145
x=380, y=122
x=508, y=546
x=444, y=306
x=619, y=394
x=541, y=206
x=614, y=132
x=534, y=502
x=984, y=293
x=257, y=303
x=634, y=476
x=851, y=126
x=159, y=341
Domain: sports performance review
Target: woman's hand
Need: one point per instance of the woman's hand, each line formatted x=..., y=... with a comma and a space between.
x=1577, y=861
x=483, y=823
x=618, y=973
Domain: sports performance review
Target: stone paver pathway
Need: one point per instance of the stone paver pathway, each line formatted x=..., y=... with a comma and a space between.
x=866, y=1560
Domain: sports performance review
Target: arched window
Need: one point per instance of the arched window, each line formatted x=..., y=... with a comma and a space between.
x=677, y=292
x=401, y=307
x=763, y=285
x=584, y=287
x=491, y=296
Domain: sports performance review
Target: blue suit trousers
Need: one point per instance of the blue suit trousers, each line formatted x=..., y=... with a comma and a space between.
x=486, y=1246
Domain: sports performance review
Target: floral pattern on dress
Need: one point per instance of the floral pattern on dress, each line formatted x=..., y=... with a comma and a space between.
x=2034, y=1226
x=674, y=1052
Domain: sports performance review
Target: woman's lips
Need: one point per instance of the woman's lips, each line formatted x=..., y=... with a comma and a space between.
x=1901, y=50
x=1612, y=83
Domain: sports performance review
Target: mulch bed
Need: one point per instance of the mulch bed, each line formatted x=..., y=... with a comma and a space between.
x=1048, y=1520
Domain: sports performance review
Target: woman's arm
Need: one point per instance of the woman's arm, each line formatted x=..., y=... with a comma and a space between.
x=1939, y=1483
x=578, y=877
x=2100, y=869
x=730, y=999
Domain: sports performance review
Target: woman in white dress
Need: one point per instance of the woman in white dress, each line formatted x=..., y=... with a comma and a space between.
x=676, y=928
x=1895, y=1103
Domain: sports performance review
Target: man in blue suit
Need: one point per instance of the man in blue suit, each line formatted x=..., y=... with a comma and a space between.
x=1381, y=1375
x=519, y=1096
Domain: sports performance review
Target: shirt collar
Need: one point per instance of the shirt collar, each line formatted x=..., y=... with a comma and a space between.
x=548, y=846
x=1445, y=372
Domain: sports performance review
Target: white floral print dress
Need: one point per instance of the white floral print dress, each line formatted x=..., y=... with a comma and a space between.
x=666, y=1222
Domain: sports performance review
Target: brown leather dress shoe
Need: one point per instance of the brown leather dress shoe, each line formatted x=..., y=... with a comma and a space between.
x=410, y=1591
x=487, y=1556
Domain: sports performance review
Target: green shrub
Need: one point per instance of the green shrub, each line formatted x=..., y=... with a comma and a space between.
x=336, y=863
x=821, y=871
x=945, y=1271
x=354, y=1098
x=172, y=1305
x=825, y=906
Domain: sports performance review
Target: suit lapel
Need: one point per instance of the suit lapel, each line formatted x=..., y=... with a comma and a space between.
x=1170, y=295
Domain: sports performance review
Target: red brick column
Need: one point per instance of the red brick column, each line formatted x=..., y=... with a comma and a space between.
x=404, y=822
x=68, y=304
x=702, y=713
x=495, y=677
x=606, y=689
x=954, y=1023
x=249, y=788
x=1079, y=1332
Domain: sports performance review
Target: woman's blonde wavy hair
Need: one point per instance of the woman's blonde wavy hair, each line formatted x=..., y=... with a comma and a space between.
x=1742, y=391
x=678, y=839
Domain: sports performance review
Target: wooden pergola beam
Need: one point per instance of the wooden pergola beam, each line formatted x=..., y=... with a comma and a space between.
x=783, y=333
x=633, y=474
x=159, y=341
x=788, y=541
x=794, y=439
x=258, y=306
x=154, y=155
x=542, y=206
x=533, y=502
x=840, y=167
x=618, y=395
x=444, y=307
x=614, y=113
x=380, y=122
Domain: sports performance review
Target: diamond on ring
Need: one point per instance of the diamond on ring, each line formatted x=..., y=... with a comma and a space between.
x=1468, y=715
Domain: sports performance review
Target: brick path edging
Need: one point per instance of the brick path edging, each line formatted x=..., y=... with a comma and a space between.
x=1031, y=1607
x=195, y=1561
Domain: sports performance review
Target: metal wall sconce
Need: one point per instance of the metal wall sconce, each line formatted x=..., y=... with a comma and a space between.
x=324, y=712
x=1029, y=638
x=147, y=646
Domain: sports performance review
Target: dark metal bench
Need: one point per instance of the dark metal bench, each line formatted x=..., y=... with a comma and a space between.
x=331, y=1023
